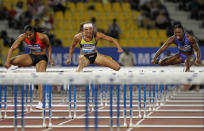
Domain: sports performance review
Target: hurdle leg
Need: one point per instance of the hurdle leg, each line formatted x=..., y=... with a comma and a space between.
x=111, y=108
x=87, y=109
x=118, y=107
x=135, y=93
x=157, y=96
x=90, y=91
x=154, y=104
x=139, y=100
x=131, y=114
x=22, y=108
x=124, y=110
x=88, y=96
x=70, y=100
x=0, y=103
x=43, y=113
x=150, y=86
x=50, y=106
x=101, y=94
x=5, y=101
x=92, y=95
x=106, y=94
x=75, y=101
x=31, y=96
x=96, y=107
x=26, y=108
x=161, y=94
x=144, y=115
x=15, y=108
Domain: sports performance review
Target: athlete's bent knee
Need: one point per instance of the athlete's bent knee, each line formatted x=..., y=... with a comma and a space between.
x=81, y=60
x=12, y=61
x=117, y=68
x=161, y=63
x=164, y=62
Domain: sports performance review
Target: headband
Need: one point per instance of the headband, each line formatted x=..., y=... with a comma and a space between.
x=87, y=25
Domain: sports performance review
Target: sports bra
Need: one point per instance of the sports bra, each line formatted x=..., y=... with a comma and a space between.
x=88, y=46
x=184, y=46
x=36, y=46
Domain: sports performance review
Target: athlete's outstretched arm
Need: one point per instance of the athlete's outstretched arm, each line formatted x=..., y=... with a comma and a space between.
x=110, y=39
x=13, y=47
x=47, y=42
x=197, y=49
x=72, y=47
x=163, y=48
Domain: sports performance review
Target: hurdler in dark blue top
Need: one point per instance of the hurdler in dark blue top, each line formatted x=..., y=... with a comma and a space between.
x=186, y=44
x=184, y=47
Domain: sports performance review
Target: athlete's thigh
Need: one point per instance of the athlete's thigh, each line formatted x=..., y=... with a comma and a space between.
x=22, y=60
x=41, y=66
x=105, y=61
x=189, y=60
x=172, y=60
x=83, y=61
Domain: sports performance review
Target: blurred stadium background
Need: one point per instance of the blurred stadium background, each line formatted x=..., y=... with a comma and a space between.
x=142, y=24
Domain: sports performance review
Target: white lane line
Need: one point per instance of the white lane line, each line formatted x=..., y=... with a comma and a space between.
x=70, y=120
x=140, y=121
x=2, y=119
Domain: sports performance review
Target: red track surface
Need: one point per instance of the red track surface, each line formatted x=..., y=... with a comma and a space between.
x=146, y=121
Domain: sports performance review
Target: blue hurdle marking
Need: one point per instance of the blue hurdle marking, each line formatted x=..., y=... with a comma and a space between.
x=157, y=97
x=44, y=112
x=92, y=96
x=111, y=106
x=0, y=103
x=15, y=107
x=106, y=94
x=139, y=100
x=74, y=101
x=124, y=113
x=22, y=107
x=96, y=107
x=131, y=113
x=26, y=98
x=150, y=86
x=5, y=101
x=31, y=96
x=118, y=106
x=101, y=94
x=145, y=86
x=87, y=109
x=70, y=100
x=154, y=91
x=50, y=106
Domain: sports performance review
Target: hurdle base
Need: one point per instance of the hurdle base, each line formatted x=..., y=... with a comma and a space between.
x=50, y=125
x=44, y=125
x=144, y=116
x=139, y=116
x=5, y=116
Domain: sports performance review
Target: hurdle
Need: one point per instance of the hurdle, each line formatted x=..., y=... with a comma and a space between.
x=112, y=83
